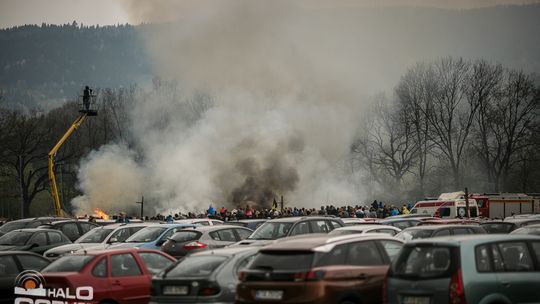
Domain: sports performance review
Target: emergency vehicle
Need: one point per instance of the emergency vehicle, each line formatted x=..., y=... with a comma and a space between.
x=448, y=205
x=501, y=205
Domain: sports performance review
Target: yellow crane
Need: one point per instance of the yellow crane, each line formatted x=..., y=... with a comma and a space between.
x=87, y=109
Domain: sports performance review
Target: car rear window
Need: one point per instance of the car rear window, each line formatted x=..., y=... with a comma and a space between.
x=283, y=261
x=498, y=227
x=186, y=236
x=271, y=231
x=196, y=266
x=17, y=238
x=147, y=234
x=424, y=262
x=72, y=263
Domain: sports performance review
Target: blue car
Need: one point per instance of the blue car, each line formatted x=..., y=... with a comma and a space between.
x=152, y=237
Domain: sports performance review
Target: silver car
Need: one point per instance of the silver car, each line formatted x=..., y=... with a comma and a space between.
x=480, y=269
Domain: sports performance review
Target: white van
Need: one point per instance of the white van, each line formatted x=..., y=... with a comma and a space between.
x=446, y=208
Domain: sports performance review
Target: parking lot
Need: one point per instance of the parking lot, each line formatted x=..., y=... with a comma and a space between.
x=409, y=259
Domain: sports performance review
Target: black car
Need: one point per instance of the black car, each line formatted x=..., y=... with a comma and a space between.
x=205, y=277
x=73, y=229
x=11, y=264
x=291, y=226
x=28, y=223
x=34, y=240
x=190, y=240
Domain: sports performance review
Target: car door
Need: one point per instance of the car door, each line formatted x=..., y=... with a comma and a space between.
x=8, y=272
x=300, y=228
x=129, y=284
x=515, y=271
x=39, y=242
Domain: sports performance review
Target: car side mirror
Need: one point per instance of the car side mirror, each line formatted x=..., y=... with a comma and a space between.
x=160, y=242
x=34, y=245
x=113, y=240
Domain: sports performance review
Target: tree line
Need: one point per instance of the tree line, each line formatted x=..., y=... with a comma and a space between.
x=450, y=124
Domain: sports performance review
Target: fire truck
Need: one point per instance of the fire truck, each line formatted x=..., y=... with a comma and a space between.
x=501, y=205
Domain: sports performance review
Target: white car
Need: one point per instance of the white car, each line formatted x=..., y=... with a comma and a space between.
x=362, y=229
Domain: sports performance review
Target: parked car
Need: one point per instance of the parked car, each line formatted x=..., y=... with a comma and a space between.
x=320, y=269
x=116, y=275
x=248, y=223
x=485, y=269
x=200, y=221
x=290, y=226
x=498, y=226
x=401, y=223
x=391, y=230
x=12, y=263
x=352, y=221
x=187, y=241
x=73, y=229
x=152, y=237
x=33, y=222
x=447, y=221
x=97, y=238
x=423, y=232
x=529, y=229
x=205, y=277
x=523, y=221
x=34, y=240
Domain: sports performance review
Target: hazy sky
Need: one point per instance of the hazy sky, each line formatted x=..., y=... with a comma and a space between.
x=19, y=12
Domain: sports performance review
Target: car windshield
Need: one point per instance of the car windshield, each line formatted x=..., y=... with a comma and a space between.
x=413, y=234
x=9, y=226
x=271, y=231
x=147, y=234
x=196, y=266
x=283, y=261
x=423, y=262
x=70, y=263
x=96, y=235
x=16, y=238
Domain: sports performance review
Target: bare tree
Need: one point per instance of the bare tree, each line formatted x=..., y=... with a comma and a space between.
x=505, y=120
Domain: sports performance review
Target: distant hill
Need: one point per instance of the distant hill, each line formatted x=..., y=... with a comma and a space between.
x=46, y=64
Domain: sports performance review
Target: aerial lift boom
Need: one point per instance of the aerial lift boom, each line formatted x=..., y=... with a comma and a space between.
x=86, y=110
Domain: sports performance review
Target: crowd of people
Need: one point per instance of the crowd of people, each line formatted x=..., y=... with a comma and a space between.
x=375, y=210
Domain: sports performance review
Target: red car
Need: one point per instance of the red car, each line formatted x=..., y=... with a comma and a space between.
x=115, y=275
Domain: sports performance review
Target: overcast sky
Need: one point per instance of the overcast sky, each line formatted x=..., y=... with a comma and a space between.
x=19, y=12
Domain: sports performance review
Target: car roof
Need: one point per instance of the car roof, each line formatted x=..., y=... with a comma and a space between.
x=455, y=240
x=212, y=228
x=299, y=218
x=249, y=220
x=401, y=219
x=314, y=242
x=17, y=252
x=36, y=230
x=113, y=250
x=366, y=227
x=435, y=227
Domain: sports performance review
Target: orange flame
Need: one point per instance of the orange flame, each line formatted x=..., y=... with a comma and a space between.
x=101, y=214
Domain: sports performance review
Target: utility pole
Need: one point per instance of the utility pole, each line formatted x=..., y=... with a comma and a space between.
x=142, y=207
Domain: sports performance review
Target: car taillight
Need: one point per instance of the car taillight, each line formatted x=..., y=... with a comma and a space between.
x=309, y=276
x=457, y=290
x=242, y=276
x=194, y=245
x=209, y=289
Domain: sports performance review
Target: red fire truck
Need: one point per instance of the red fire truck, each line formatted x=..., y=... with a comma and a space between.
x=501, y=205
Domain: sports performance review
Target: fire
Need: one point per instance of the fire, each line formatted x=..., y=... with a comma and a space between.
x=100, y=213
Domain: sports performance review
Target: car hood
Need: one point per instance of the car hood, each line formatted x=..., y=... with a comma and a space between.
x=12, y=247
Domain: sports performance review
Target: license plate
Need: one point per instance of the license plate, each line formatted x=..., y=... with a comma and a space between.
x=416, y=300
x=269, y=294
x=175, y=290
